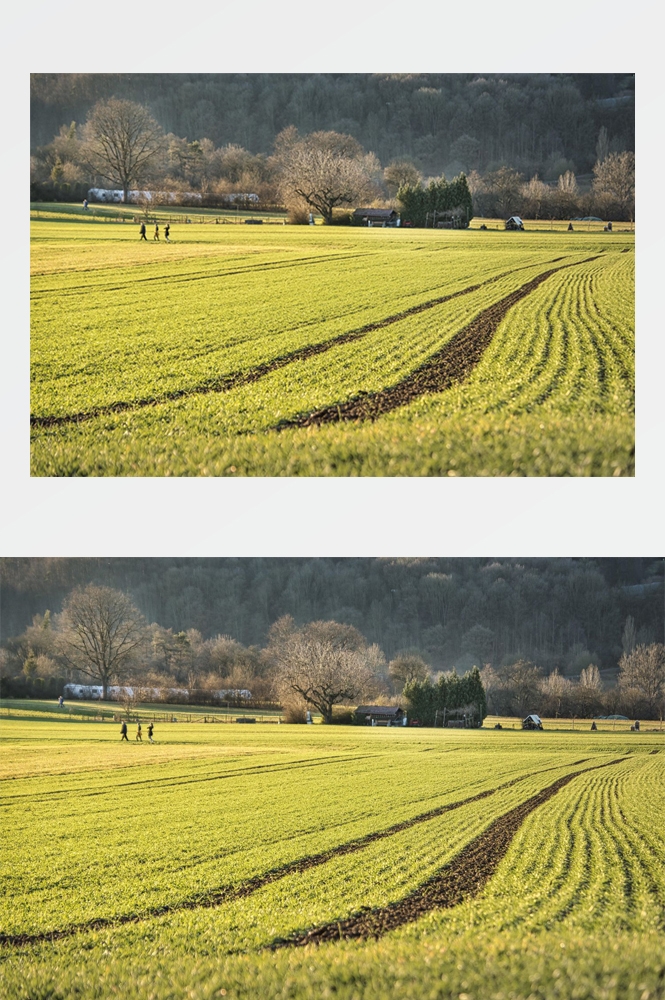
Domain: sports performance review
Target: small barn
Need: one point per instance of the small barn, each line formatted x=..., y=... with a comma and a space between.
x=514, y=222
x=375, y=217
x=532, y=722
x=380, y=715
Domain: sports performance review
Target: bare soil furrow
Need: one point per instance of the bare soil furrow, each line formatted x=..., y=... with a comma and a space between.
x=464, y=877
x=236, y=379
x=452, y=364
x=226, y=894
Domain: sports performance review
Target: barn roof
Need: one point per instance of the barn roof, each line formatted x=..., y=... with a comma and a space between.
x=379, y=213
x=387, y=710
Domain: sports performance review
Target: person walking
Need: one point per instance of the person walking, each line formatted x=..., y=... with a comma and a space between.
x=151, y=726
x=156, y=236
x=142, y=231
x=139, y=738
x=123, y=732
x=167, y=230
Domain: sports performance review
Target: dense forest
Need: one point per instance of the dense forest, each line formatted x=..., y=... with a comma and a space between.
x=446, y=123
x=559, y=613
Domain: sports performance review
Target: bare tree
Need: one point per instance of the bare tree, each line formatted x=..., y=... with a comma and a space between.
x=643, y=671
x=556, y=690
x=325, y=663
x=99, y=632
x=614, y=182
x=325, y=170
x=408, y=667
x=122, y=140
x=398, y=173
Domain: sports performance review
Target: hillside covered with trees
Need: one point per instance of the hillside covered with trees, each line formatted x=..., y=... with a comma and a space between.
x=541, y=145
x=545, y=123
x=562, y=613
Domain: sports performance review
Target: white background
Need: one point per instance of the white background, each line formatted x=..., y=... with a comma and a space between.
x=325, y=517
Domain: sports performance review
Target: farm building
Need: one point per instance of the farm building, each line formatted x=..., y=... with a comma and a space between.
x=114, y=196
x=380, y=715
x=532, y=722
x=375, y=217
x=514, y=222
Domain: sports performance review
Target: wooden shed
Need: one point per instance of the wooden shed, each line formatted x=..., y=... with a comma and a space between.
x=514, y=222
x=380, y=715
x=375, y=217
x=532, y=722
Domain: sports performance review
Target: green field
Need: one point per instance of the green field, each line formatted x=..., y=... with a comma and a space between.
x=281, y=350
x=309, y=861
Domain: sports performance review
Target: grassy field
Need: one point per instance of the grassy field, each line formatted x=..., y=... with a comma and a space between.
x=280, y=350
x=308, y=861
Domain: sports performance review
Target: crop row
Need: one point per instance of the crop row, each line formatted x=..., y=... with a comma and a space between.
x=151, y=329
x=193, y=824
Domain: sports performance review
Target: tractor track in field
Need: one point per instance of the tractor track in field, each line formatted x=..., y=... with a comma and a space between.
x=227, y=894
x=461, y=879
x=236, y=379
x=448, y=366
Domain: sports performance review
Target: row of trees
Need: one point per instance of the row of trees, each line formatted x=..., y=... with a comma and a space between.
x=122, y=145
x=522, y=687
x=505, y=192
x=101, y=635
x=422, y=206
x=432, y=701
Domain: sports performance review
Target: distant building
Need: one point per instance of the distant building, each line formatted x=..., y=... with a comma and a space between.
x=380, y=715
x=532, y=722
x=375, y=217
x=133, y=197
x=514, y=222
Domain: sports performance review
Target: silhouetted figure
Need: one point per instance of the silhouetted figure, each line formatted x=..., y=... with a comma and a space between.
x=156, y=236
x=123, y=732
x=570, y=228
x=142, y=231
x=139, y=738
x=151, y=726
x=594, y=727
x=167, y=230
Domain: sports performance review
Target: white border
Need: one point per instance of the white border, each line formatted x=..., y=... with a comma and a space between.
x=352, y=517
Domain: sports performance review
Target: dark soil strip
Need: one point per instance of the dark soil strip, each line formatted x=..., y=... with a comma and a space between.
x=235, y=379
x=451, y=364
x=464, y=877
x=229, y=893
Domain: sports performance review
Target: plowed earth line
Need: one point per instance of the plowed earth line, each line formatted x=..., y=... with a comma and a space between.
x=227, y=894
x=236, y=379
x=450, y=365
x=464, y=877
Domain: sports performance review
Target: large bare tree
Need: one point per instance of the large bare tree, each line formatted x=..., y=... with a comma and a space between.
x=99, y=632
x=325, y=170
x=325, y=663
x=122, y=141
